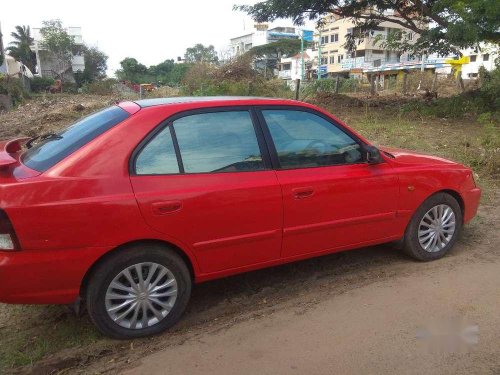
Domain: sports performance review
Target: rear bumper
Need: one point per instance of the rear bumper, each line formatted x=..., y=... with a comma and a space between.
x=45, y=276
x=471, y=203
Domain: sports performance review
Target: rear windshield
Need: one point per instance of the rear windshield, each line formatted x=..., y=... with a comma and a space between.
x=52, y=150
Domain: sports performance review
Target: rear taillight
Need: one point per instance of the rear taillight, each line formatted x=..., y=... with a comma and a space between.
x=8, y=238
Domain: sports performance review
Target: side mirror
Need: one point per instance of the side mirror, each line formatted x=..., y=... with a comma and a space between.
x=373, y=155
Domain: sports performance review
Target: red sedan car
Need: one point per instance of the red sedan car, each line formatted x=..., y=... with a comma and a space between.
x=130, y=206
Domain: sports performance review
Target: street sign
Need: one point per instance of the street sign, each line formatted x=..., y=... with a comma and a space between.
x=307, y=35
x=323, y=68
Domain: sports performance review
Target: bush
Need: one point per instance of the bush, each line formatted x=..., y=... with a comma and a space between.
x=12, y=87
x=104, y=87
x=235, y=78
x=327, y=86
x=40, y=84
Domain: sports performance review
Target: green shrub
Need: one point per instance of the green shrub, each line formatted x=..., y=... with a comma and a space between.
x=41, y=84
x=104, y=87
x=14, y=88
x=329, y=86
x=69, y=88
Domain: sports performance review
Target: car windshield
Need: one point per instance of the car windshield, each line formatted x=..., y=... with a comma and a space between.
x=53, y=149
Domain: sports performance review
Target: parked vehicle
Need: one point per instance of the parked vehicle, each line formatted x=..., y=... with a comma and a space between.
x=130, y=206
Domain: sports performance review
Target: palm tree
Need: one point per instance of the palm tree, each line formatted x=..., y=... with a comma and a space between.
x=20, y=47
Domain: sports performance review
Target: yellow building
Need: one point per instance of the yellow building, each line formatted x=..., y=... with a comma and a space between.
x=369, y=51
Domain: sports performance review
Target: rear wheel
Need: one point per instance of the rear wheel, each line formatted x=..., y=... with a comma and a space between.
x=139, y=291
x=434, y=228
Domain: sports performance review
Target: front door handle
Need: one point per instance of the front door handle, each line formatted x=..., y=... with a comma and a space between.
x=167, y=207
x=303, y=192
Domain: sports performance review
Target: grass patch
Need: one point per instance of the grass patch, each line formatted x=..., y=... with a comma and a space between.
x=29, y=333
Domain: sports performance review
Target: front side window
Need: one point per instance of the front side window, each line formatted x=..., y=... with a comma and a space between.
x=55, y=147
x=305, y=140
x=158, y=156
x=218, y=142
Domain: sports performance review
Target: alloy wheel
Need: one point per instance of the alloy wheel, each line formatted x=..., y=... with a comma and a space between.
x=141, y=295
x=437, y=228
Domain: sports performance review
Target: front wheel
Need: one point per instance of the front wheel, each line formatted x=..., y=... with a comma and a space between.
x=434, y=228
x=139, y=291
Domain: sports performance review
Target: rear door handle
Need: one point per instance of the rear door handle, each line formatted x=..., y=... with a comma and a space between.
x=303, y=192
x=167, y=207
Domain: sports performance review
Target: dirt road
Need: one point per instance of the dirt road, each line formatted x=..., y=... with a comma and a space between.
x=367, y=330
x=366, y=311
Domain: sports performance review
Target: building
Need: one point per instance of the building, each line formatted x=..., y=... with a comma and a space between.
x=332, y=36
x=372, y=60
x=290, y=68
x=485, y=57
x=47, y=66
x=259, y=36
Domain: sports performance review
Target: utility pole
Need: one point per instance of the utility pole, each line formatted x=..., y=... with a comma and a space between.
x=302, y=53
x=319, y=54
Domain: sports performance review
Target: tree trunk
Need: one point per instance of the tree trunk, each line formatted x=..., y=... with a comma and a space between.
x=372, y=85
x=460, y=82
x=297, y=88
x=405, y=83
x=434, y=82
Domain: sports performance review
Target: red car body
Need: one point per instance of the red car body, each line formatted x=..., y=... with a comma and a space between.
x=69, y=217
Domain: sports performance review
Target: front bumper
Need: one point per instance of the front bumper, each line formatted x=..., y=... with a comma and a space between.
x=471, y=203
x=45, y=276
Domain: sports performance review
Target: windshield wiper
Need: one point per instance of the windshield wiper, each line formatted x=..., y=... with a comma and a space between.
x=42, y=137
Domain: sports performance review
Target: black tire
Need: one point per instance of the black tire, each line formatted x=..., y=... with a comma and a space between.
x=411, y=244
x=108, y=269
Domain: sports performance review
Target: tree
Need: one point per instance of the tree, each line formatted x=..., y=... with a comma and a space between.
x=1, y=48
x=201, y=54
x=59, y=44
x=133, y=71
x=443, y=26
x=96, y=63
x=95, y=66
x=269, y=54
x=20, y=47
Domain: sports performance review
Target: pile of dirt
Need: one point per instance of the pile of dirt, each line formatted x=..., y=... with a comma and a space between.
x=49, y=113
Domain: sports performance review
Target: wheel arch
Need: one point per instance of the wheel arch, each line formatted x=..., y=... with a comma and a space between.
x=455, y=194
x=112, y=252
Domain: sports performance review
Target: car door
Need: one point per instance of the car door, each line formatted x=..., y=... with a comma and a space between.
x=203, y=180
x=332, y=197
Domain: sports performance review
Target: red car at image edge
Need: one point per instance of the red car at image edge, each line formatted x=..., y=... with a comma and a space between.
x=124, y=210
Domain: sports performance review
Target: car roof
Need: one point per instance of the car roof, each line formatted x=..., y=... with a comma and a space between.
x=144, y=103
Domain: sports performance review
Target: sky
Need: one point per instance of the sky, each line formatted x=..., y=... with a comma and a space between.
x=151, y=31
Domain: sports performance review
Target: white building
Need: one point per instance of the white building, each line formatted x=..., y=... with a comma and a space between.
x=259, y=36
x=46, y=66
x=290, y=68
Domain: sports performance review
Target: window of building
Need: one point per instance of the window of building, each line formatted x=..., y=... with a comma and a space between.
x=486, y=57
x=473, y=58
x=340, y=58
x=287, y=66
x=334, y=38
x=332, y=59
x=218, y=142
x=305, y=140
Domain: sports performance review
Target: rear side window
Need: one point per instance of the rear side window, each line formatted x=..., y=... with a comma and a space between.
x=52, y=150
x=158, y=156
x=218, y=142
